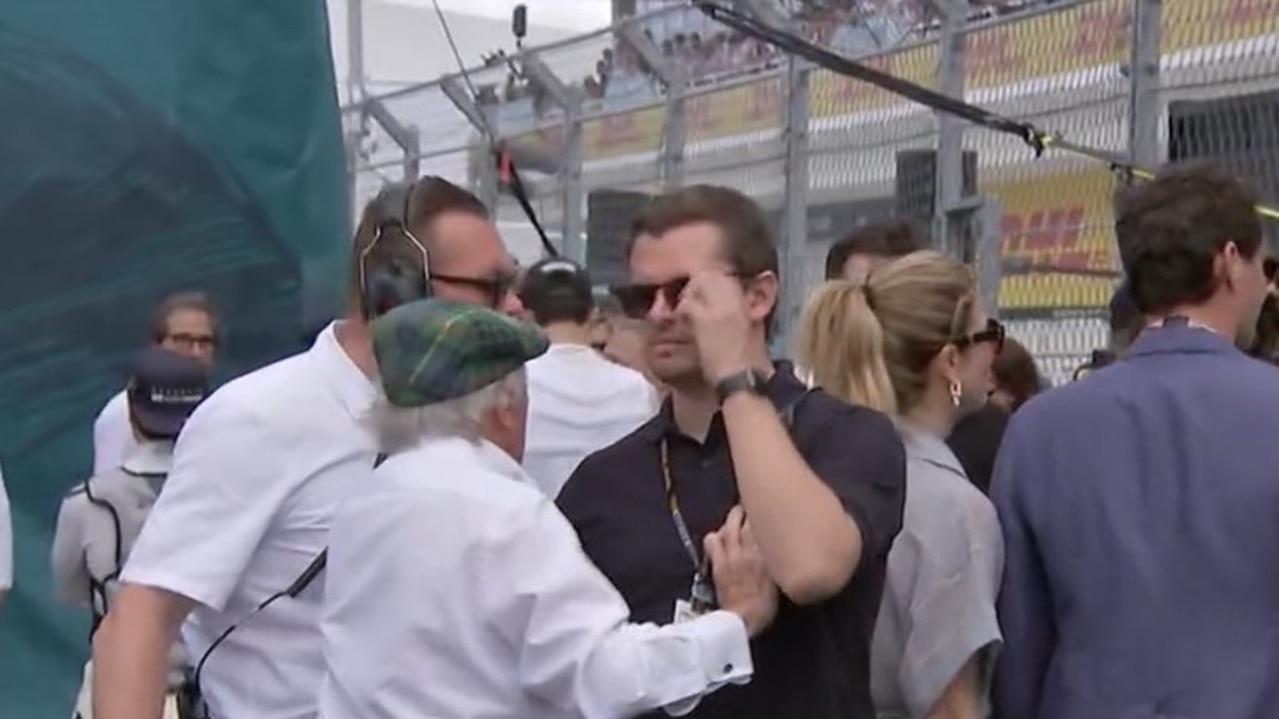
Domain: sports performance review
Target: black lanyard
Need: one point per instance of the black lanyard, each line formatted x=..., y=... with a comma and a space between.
x=702, y=595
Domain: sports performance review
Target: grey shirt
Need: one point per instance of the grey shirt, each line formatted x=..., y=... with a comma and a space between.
x=944, y=569
x=97, y=525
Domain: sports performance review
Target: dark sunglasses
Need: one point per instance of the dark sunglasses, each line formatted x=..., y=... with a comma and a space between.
x=994, y=333
x=496, y=288
x=636, y=300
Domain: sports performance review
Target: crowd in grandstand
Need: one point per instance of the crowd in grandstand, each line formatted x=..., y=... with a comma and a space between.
x=708, y=52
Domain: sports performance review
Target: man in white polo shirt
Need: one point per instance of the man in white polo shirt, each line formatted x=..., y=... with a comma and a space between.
x=258, y=472
x=579, y=401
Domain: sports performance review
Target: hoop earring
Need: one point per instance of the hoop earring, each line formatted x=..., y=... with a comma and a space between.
x=956, y=393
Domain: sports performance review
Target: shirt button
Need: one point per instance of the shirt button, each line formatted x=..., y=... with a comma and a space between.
x=728, y=669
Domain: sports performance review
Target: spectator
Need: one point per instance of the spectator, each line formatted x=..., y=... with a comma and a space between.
x=185, y=323
x=1265, y=345
x=503, y=607
x=1017, y=379
x=101, y=518
x=1138, y=504
x=821, y=482
x=976, y=437
x=260, y=469
x=579, y=402
x=853, y=257
x=914, y=342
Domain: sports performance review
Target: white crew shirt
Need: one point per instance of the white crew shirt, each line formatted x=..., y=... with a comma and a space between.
x=456, y=589
x=579, y=403
x=6, y=540
x=113, y=438
x=258, y=472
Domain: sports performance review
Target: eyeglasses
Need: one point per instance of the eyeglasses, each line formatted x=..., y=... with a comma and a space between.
x=496, y=288
x=637, y=299
x=192, y=341
x=994, y=333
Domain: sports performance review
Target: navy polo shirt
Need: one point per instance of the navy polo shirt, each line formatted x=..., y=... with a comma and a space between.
x=812, y=662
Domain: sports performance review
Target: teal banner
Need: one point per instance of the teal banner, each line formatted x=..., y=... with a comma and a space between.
x=146, y=147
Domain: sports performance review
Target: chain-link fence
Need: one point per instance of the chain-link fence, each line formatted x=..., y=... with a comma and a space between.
x=674, y=98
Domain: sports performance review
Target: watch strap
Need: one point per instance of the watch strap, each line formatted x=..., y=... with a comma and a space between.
x=744, y=381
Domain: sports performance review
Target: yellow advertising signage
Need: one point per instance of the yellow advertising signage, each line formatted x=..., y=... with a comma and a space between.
x=1039, y=45
x=1045, y=44
x=1056, y=230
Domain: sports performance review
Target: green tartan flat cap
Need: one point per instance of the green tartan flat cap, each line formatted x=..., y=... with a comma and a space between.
x=434, y=350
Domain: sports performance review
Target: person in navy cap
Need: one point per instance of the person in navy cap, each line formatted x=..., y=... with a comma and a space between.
x=100, y=518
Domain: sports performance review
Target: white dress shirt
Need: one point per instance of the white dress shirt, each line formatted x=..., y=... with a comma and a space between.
x=578, y=403
x=113, y=438
x=258, y=472
x=456, y=590
x=6, y=540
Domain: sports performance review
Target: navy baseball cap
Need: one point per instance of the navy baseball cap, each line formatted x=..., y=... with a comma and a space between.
x=164, y=389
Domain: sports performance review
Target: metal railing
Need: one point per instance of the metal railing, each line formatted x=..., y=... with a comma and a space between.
x=673, y=98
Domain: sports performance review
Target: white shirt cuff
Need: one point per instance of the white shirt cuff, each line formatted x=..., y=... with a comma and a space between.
x=726, y=654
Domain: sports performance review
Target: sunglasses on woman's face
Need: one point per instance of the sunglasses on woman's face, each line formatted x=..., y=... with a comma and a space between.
x=636, y=300
x=994, y=333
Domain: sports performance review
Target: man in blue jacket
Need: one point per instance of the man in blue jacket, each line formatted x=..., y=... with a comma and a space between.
x=1139, y=504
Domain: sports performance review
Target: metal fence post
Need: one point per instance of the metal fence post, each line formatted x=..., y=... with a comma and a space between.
x=485, y=166
x=574, y=230
x=949, y=168
x=403, y=135
x=975, y=224
x=674, y=77
x=569, y=99
x=794, y=236
x=793, y=233
x=1144, y=80
x=987, y=232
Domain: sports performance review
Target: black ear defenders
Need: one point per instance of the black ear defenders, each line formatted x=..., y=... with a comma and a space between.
x=388, y=279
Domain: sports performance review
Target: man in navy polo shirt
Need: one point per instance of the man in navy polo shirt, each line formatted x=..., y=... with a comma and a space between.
x=821, y=484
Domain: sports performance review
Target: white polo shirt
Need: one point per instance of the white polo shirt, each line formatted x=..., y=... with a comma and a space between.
x=258, y=472
x=456, y=589
x=113, y=439
x=579, y=402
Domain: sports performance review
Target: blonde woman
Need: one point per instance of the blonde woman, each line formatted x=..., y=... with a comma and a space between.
x=914, y=342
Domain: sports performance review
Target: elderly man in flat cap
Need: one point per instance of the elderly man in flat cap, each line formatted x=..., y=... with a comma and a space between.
x=456, y=589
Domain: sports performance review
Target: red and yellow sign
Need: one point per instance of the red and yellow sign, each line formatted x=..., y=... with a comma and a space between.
x=1056, y=229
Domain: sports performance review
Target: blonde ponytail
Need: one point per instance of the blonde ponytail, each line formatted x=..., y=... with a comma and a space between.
x=840, y=341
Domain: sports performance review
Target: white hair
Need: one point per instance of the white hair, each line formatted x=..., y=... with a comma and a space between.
x=398, y=428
